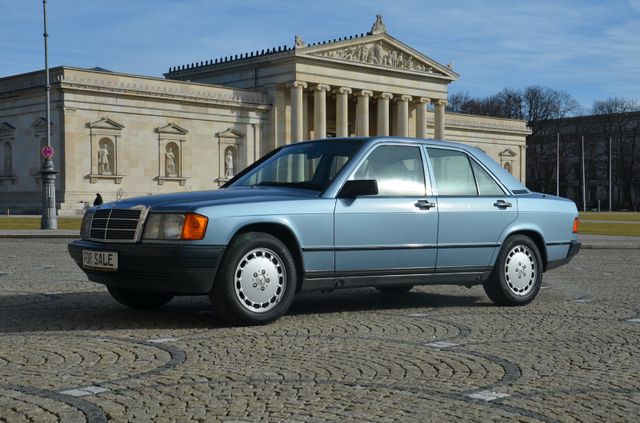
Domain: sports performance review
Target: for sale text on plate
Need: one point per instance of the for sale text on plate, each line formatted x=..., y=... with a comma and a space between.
x=100, y=260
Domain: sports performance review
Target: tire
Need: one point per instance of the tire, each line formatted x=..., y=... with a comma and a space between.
x=517, y=275
x=139, y=300
x=256, y=282
x=398, y=289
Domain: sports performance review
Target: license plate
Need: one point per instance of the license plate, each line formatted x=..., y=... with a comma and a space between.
x=100, y=260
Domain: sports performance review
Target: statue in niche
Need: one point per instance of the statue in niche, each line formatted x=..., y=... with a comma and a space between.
x=170, y=162
x=228, y=164
x=104, y=167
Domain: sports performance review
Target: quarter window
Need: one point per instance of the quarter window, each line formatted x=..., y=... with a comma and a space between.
x=486, y=184
x=397, y=169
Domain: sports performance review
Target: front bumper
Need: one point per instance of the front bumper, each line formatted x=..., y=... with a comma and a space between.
x=177, y=269
x=574, y=248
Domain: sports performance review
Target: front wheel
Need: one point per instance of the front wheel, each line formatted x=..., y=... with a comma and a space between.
x=139, y=299
x=256, y=282
x=517, y=275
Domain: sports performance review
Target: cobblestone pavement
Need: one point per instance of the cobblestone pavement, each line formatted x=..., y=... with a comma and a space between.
x=68, y=352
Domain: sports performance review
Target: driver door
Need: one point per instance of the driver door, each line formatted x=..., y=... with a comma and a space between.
x=394, y=232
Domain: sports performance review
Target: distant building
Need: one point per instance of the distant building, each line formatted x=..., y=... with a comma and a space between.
x=208, y=120
x=623, y=129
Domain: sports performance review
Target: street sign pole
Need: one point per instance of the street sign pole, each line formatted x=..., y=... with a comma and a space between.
x=48, y=172
x=584, y=181
x=558, y=164
x=610, y=174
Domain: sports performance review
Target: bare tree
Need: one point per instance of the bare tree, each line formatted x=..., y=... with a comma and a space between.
x=541, y=104
x=457, y=102
x=533, y=104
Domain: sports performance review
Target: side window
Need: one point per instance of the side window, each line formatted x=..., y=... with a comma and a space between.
x=486, y=184
x=397, y=169
x=452, y=172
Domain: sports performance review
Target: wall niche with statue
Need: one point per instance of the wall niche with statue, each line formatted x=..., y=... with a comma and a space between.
x=171, y=139
x=230, y=148
x=106, y=146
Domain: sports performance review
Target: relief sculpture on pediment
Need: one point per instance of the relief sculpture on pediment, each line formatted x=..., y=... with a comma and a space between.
x=378, y=54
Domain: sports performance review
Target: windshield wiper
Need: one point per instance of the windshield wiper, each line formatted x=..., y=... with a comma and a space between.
x=303, y=185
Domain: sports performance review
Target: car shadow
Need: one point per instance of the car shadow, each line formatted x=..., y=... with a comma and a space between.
x=368, y=299
x=97, y=311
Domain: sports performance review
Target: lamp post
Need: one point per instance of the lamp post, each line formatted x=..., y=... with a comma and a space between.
x=48, y=172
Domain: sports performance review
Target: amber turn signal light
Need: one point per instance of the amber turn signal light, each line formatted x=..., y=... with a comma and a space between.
x=194, y=226
x=576, y=224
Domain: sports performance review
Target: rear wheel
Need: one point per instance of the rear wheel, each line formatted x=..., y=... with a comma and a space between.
x=517, y=275
x=139, y=299
x=256, y=282
x=399, y=289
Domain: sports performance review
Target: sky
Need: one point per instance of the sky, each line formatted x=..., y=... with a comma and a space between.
x=589, y=48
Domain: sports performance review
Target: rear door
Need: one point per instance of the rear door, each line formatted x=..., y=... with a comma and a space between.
x=473, y=209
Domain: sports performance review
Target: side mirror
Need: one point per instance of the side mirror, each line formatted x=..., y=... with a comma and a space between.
x=353, y=189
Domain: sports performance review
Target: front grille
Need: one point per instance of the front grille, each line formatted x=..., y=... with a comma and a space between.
x=116, y=225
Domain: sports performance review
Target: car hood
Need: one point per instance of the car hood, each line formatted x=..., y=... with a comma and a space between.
x=188, y=201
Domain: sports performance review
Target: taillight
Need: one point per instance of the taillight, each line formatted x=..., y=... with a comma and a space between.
x=576, y=224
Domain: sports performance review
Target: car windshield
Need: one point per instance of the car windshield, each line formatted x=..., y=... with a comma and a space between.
x=309, y=165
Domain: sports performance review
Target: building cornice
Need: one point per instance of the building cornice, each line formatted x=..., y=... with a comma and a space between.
x=68, y=78
x=482, y=123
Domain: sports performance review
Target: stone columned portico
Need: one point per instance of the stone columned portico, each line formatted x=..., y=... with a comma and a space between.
x=367, y=84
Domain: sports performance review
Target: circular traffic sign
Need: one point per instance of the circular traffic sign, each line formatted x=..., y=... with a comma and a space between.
x=48, y=152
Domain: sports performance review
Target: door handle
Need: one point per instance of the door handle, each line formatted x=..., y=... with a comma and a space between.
x=501, y=204
x=424, y=204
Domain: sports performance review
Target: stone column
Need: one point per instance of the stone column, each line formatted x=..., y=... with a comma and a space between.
x=342, y=111
x=403, y=115
x=320, y=111
x=383, y=113
x=362, y=113
x=421, y=117
x=438, y=130
x=297, y=110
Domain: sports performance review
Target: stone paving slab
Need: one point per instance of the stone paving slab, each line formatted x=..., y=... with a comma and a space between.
x=70, y=353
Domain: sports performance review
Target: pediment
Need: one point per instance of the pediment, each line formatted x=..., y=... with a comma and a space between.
x=172, y=128
x=106, y=123
x=6, y=129
x=382, y=51
x=40, y=123
x=230, y=133
x=507, y=153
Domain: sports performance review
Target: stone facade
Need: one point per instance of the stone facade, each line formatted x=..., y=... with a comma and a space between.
x=136, y=120
x=207, y=121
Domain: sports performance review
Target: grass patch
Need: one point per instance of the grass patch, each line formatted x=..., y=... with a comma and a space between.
x=619, y=216
x=34, y=223
x=615, y=229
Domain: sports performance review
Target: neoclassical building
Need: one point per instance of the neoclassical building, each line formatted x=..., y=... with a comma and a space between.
x=205, y=121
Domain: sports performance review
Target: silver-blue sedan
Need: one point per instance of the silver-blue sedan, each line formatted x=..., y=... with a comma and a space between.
x=385, y=212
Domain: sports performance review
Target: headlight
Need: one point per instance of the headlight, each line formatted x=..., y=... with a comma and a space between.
x=85, y=228
x=187, y=226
